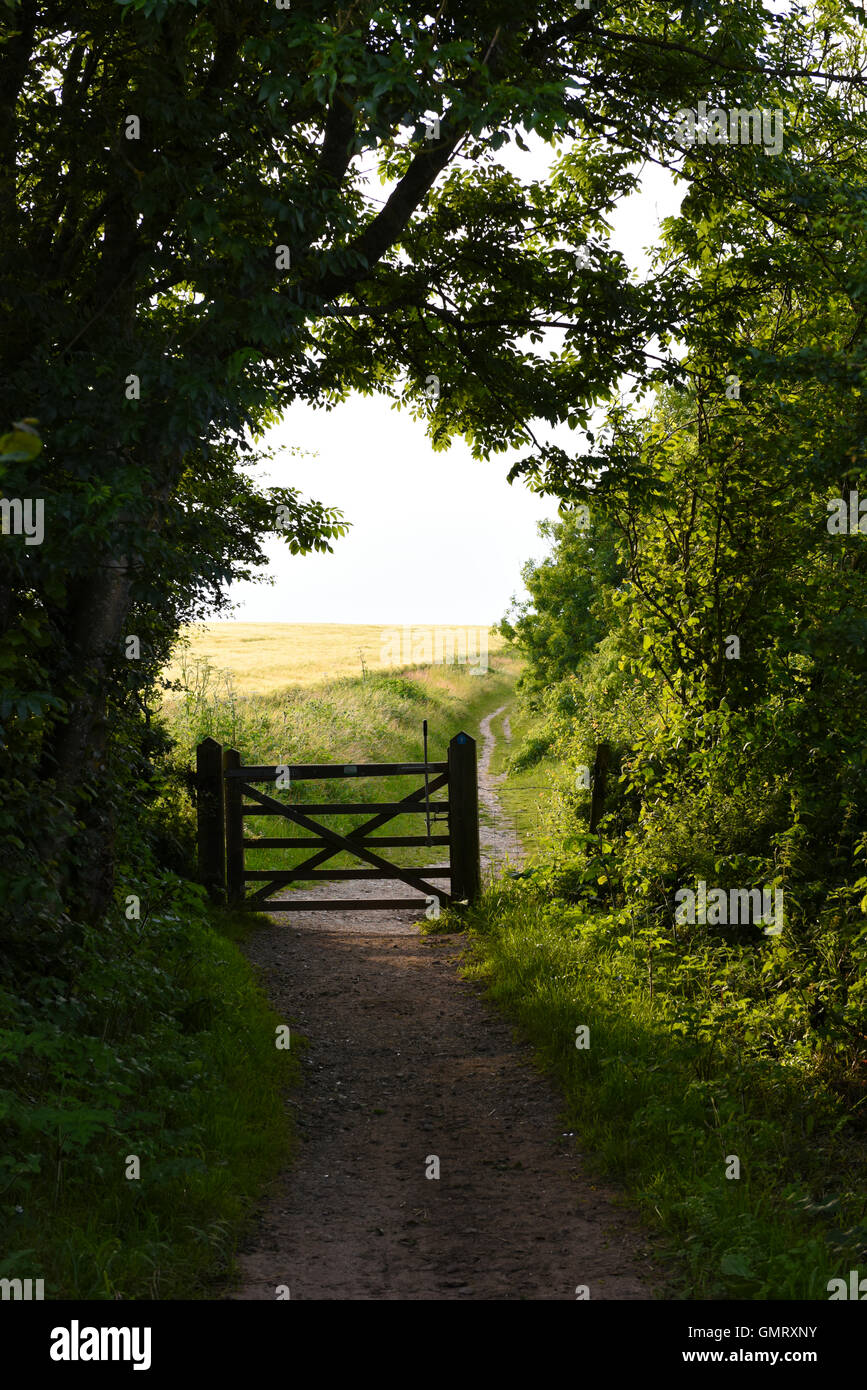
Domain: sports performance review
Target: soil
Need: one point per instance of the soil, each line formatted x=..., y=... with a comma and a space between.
x=407, y=1071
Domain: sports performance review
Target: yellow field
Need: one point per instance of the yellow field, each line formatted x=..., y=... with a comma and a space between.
x=264, y=657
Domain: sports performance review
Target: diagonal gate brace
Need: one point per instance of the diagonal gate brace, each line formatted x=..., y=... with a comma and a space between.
x=375, y=823
x=343, y=842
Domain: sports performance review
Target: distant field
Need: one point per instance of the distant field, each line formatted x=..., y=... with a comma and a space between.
x=265, y=657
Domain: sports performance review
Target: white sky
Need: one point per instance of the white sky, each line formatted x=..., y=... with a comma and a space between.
x=436, y=537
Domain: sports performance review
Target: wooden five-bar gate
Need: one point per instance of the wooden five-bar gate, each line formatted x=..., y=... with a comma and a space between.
x=225, y=795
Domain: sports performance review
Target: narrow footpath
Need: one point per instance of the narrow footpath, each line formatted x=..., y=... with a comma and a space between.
x=408, y=1072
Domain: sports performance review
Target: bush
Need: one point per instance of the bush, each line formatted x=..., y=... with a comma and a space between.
x=153, y=1042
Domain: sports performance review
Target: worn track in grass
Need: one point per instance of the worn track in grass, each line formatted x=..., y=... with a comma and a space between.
x=406, y=1063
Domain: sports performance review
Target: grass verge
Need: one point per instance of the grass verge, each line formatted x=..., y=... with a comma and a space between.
x=158, y=1046
x=741, y=1156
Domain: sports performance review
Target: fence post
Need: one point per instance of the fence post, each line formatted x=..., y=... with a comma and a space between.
x=234, y=829
x=600, y=775
x=209, y=818
x=466, y=875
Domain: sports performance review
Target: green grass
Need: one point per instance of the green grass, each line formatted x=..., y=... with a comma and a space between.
x=680, y=1075
x=162, y=1046
x=527, y=790
x=377, y=718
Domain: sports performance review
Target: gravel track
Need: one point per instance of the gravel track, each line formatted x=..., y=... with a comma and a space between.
x=405, y=1064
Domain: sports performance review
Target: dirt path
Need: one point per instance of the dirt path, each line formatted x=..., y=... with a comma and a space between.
x=499, y=841
x=407, y=1064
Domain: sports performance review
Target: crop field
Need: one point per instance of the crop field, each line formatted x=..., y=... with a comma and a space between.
x=261, y=658
x=376, y=717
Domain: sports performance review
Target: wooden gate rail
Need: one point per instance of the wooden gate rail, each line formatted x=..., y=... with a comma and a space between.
x=338, y=842
x=225, y=797
x=310, y=772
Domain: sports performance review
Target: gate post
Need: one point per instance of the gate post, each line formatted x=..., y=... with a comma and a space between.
x=464, y=859
x=209, y=819
x=600, y=777
x=234, y=828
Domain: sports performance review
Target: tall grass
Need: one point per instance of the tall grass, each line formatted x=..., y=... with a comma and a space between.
x=351, y=720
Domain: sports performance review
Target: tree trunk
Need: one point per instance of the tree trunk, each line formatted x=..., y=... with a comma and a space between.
x=77, y=758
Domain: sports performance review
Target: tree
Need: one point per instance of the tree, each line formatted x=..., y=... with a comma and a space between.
x=187, y=244
x=561, y=621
